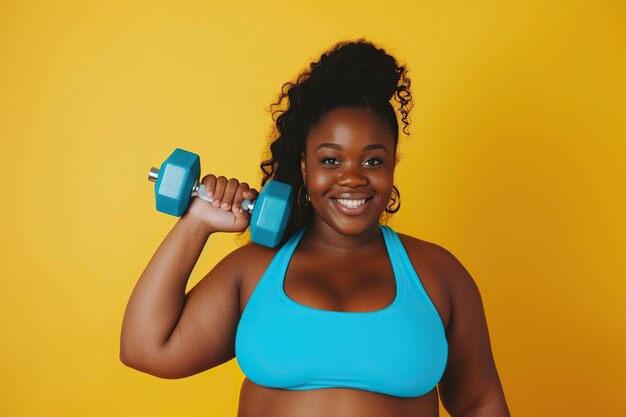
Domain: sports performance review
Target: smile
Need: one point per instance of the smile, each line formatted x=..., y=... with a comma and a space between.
x=351, y=203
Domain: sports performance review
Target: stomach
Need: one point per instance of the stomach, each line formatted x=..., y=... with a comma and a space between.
x=258, y=401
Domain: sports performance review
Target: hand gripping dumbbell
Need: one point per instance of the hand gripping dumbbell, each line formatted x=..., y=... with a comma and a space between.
x=178, y=180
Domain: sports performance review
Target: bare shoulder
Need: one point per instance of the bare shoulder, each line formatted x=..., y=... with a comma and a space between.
x=419, y=247
x=239, y=266
x=441, y=260
x=247, y=259
x=441, y=273
x=250, y=261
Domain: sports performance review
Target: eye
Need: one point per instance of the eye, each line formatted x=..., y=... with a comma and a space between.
x=329, y=161
x=372, y=162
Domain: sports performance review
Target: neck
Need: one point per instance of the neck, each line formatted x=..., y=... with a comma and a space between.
x=322, y=238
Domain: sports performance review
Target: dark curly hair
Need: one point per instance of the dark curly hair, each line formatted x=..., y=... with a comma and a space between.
x=354, y=74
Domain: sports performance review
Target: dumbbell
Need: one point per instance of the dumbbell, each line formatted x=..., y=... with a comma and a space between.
x=177, y=181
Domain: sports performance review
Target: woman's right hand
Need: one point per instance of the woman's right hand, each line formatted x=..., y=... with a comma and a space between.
x=224, y=214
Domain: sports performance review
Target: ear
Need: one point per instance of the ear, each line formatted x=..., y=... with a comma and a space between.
x=303, y=166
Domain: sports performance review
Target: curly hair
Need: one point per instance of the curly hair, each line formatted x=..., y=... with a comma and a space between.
x=352, y=74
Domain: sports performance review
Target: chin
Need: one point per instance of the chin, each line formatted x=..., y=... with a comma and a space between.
x=355, y=227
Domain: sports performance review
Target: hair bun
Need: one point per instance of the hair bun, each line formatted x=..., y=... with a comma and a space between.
x=358, y=67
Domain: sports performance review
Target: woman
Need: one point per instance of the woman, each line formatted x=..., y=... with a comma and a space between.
x=345, y=317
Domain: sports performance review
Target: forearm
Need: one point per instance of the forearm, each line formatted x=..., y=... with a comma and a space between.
x=158, y=299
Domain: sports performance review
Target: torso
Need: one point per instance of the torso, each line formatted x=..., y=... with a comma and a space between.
x=356, y=283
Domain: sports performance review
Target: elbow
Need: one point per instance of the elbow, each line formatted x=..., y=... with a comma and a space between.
x=132, y=360
x=128, y=352
x=150, y=364
x=126, y=359
x=136, y=356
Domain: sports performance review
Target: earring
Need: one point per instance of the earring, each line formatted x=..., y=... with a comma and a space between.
x=303, y=200
x=394, y=201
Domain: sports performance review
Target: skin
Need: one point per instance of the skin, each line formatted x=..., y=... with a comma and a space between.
x=350, y=155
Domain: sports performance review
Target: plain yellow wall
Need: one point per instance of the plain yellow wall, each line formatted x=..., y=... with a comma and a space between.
x=515, y=164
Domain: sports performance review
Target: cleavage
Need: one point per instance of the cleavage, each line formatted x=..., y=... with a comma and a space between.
x=350, y=284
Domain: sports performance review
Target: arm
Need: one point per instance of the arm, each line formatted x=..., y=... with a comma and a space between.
x=171, y=334
x=470, y=386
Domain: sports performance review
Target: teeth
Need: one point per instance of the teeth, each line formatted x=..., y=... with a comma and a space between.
x=351, y=203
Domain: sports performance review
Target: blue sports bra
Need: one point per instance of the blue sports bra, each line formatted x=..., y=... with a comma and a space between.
x=400, y=350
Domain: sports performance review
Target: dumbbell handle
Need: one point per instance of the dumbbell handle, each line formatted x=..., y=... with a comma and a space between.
x=199, y=190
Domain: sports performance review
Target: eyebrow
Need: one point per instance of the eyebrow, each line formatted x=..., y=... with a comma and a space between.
x=365, y=148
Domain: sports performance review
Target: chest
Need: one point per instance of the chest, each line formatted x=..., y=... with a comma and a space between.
x=347, y=283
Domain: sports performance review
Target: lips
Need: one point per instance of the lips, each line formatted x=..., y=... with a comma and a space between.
x=352, y=204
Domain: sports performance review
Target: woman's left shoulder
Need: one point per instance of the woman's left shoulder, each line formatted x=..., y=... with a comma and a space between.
x=436, y=258
x=443, y=276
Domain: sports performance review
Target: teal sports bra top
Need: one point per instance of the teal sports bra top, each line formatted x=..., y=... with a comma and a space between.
x=400, y=350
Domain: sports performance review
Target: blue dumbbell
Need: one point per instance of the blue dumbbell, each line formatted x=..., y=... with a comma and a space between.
x=178, y=180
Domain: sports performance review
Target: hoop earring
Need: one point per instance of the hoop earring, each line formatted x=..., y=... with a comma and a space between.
x=303, y=200
x=394, y=202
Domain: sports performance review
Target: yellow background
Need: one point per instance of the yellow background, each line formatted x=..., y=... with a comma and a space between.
x=515, y=164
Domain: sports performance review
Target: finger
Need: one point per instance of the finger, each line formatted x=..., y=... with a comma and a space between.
x=209, y=183
x=243, y=187
x=218, y=194
x=251, y=194
x=229, y=193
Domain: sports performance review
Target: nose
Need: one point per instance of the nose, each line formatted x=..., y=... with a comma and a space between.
x=352, y=176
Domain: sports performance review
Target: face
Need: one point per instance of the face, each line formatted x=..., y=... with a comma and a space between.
x=348, y=169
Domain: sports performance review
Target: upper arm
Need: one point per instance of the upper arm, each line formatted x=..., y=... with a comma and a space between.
x=204, y=336
x=470, y=382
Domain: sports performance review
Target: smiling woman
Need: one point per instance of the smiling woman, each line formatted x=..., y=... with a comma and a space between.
x=346, y=317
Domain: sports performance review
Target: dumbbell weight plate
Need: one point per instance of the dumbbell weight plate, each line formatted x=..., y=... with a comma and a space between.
x=176, y=180
x=271, y=213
